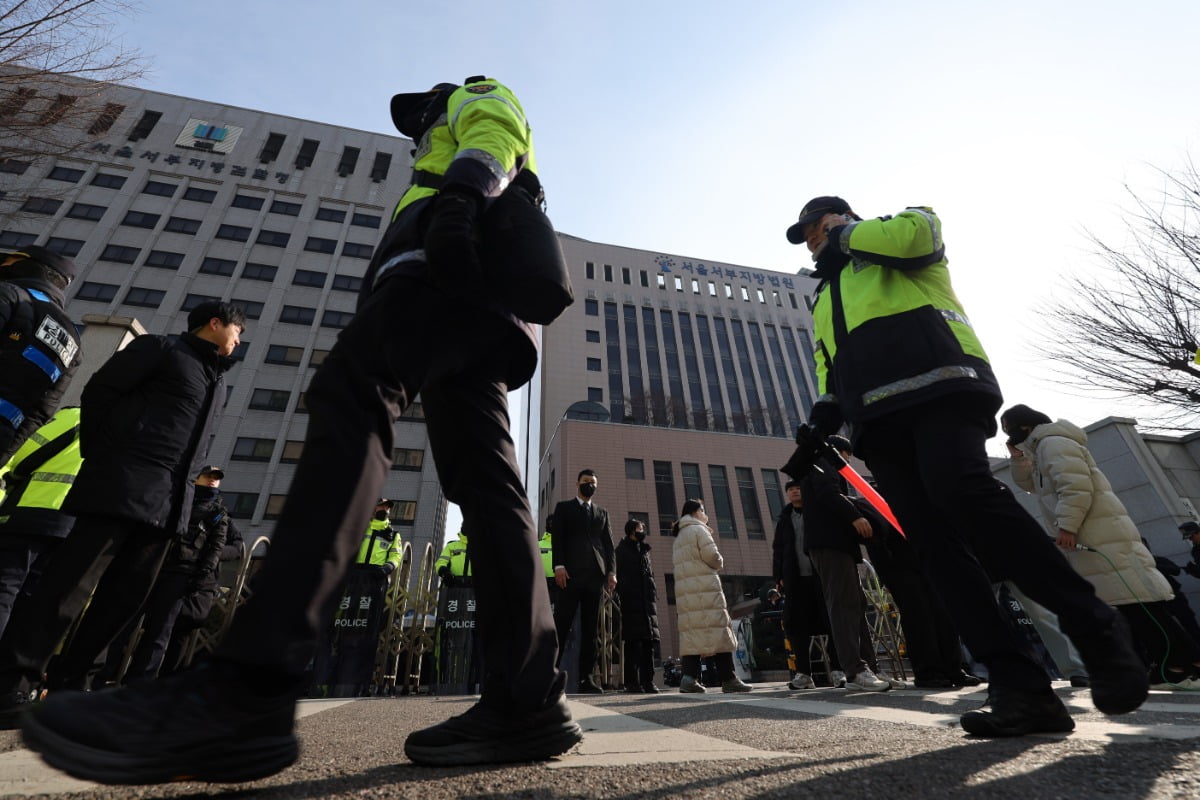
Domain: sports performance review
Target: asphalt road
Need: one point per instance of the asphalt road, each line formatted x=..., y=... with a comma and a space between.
x=771, y=743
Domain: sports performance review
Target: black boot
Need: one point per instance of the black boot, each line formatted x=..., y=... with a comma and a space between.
x=1118, y=677
x=1016, y=712
x=490, y=735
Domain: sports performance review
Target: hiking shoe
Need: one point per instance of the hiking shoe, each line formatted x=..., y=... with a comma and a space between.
x=867, y=682
x=837, y=679
x=201, y=725
x=13, y=706
x=589, y=686
x=1117, y=674
x=689, y=685
x=735, y=685
x=1016, y=712
x=964, y=678
x=801, y=681
x=650, y=688
x=488, y=735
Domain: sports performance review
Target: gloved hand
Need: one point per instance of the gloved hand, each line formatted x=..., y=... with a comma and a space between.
x=450, y=238
x=831, y=259
x=447, y=578
x=825, y=418
x=808, y=442
x=384, y=569
x=1191, y=568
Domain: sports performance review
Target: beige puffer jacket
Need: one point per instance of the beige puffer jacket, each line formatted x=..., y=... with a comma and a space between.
x=704, y=627
x=1075, y=496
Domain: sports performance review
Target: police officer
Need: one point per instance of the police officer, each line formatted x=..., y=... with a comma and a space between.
x=453, y=566
x=39, y=348
x=898, y=359
x=37, y=479
x=381, y=545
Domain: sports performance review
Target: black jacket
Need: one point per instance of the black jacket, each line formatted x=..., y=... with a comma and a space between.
x=784, y=563
x=635, y=587
x=39, y=353
x=198, y=551
x=581, y=544
x=147, y=416
x=829, y=514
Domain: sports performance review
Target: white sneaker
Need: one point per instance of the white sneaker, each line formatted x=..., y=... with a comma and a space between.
x=838, y=679
x=894, y=683
x=801, y=681
x=867, y=682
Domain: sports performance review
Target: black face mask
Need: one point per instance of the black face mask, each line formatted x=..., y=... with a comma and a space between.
x=1019, y=435
x=587, y=489
x=381, y=515
x=639, y=535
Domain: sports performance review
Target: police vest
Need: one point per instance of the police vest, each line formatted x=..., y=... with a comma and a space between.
x=39, y=476
x=38, y=347
x=454, y=556
x=547, y=554
x=380, y=545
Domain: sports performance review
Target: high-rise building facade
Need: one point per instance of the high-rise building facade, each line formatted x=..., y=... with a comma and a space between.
x=167, y=201
x=676, y=378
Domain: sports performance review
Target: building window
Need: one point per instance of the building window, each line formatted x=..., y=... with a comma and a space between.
x=147, y=298
x=98, y=292
x=591, y=308
x=408, y=459
x=13, y=166
x=259, y=272
x=253, y=308
x=590, y=271
x=366, y=220
x=712, y=289
x=348, y=161
x=284, y=207
x=748, y=493
x=190, y=226
x=16, y=239
x=728, y=292
x=317, y=358
x=661, y=280
x=240, y=504
x=86, y=211
x=608, y=272
x=200, y=195
x=159, y=189
x=66, y=247
x=625, y=277
x=218, y=266
x=595, y=394
x=107, y=180
x=404, y=512
x=273, y=238
x=58, y=109
x=140, y=219
x=274, y=506
x=664, y=491
x=193, y=300
x=292, y=449
x=355, y=250
x=775, y=496
x=692, y=489
x=41, y=205
x=298, y=315
x=235, y=233
x=645, y=279
x=336, y=319
x=695, y=286
x=247, y=449
x=248, y=201
x=144, y=125
x=271, y=148
x=307, y=277
x=283, y=354
x=316, y=244
x=721, y=509
x=635, y=469
x=120, y=254
x=331, y=214
x=106, y=119
x=347, y=283
x=592, y=336
x=270, y=399
x=65, y=174
x=594, y=365
x=308, y=152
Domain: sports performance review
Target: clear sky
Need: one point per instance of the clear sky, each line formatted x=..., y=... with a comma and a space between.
x=700, y=128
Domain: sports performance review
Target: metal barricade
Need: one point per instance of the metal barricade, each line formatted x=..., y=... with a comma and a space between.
x=883, y=620
x=406, y=636
x=609, y=655
x=229, y=599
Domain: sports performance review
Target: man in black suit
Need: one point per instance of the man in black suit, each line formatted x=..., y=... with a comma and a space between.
x=584, y=566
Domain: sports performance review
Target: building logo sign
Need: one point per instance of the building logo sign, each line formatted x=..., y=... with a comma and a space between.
x=200, y=134
x=668, y=264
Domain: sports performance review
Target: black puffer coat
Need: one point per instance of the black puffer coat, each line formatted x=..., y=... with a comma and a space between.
x=635, y=587
x=147, y=415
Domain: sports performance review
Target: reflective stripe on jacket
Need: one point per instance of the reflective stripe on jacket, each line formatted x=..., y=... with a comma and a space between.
x=380, y=545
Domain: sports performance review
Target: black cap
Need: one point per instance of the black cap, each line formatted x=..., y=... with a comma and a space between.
x=403, y=104
x=383, y=501
x=1188, y=528
x=214, y=470
x=55, y=261
x=813, y=210
x=839, y=443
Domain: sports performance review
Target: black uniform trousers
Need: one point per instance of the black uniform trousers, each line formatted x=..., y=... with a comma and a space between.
x=18, y=555
x=970, y=531
x=117, y=558
x=408, y=337
x=582, y=595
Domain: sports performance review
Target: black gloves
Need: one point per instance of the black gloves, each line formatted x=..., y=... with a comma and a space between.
x=832, y=259
x=385, y=569
x=450, y=238
x=808, y=442
x=447, y=578
x=1191, y=568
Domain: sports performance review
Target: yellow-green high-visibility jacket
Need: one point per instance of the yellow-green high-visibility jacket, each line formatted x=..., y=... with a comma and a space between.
x=380, y=545
x=890, y=332
x=454, y=556
x=39, y=476
x=547, y=554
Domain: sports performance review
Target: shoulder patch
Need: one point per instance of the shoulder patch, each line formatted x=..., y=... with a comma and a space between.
x=482, y=88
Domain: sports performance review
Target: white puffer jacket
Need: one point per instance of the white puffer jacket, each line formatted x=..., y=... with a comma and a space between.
x=1075, y=496
x=704, y=627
